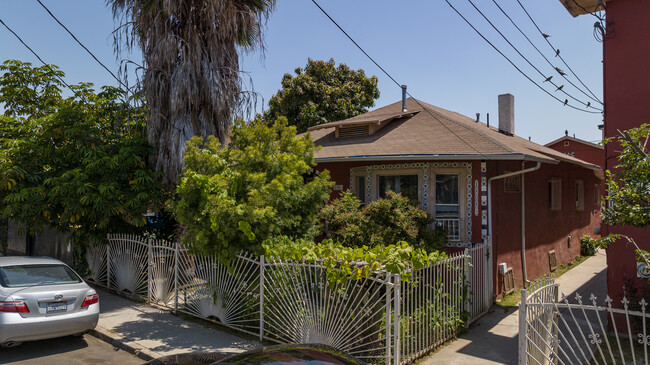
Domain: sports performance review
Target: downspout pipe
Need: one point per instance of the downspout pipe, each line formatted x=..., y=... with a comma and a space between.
x=489, y=191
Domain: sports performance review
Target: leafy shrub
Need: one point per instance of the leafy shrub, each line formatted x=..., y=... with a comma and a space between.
x=73, y=163
x=588, y=246
x=353, y=263
x=260, y=185
x=382, y=222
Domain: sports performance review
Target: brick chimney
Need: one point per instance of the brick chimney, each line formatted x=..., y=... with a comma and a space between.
x=507, y=114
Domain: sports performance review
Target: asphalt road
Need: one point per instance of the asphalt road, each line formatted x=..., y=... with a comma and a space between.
x=67, y=350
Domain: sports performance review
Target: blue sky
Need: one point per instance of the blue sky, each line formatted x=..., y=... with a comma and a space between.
x=423, y=44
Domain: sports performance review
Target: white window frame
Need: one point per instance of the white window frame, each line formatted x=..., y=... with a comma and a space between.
x=462, y=197
x=394, y=172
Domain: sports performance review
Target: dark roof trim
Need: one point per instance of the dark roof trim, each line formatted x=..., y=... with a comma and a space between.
x=508, y=157
x=578, y=140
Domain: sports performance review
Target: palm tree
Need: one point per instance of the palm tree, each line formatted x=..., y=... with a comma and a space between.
x=191, y=80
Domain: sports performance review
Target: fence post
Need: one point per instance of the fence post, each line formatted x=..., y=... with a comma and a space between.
x=522, y=329
x=468, y=284
x=149, y=264
x=388, y=318
x=261, y=297
x=490, y=276
x=176, y=277
x=396, y=318
x=108, y=262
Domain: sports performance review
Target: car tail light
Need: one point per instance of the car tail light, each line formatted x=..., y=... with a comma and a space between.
x=14, y=307
x=90, y=299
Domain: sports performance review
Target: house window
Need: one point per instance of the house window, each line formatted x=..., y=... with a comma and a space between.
x=555, y=194
x=580, y=195
x=360, y=188
x=596, y=194
x=407, y=185
x=448, y=204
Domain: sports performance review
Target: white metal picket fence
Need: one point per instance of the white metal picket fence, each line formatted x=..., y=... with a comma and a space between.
x=379, y=319
x=553, y=330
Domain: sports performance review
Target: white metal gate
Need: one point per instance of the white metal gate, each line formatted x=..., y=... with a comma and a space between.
x=553, y=330
x=378, y=319
x=479, y=276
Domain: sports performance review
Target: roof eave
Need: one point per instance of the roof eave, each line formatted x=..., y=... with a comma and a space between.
x=436, y=157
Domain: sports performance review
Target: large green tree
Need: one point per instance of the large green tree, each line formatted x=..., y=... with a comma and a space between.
x=73, y=163
x=323, y=92
x=261, y=185
x=191, y=60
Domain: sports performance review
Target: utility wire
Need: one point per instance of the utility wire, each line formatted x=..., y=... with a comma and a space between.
x=398, y=84
x=526, y=59
x=555, y=50
x=542, y=54
x=82, y=45
x=515, y=66
x=356, y=44
x=75, y=92
x=37, y=56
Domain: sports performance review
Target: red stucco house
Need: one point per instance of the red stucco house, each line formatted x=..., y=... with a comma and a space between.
x=476, y=180
x=626, y=84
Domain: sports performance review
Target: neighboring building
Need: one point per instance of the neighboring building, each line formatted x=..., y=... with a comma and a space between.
x=583, y=150
x=446, y=162
x=626, y=84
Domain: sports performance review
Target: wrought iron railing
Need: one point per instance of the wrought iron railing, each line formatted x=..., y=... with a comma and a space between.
x=379, y=319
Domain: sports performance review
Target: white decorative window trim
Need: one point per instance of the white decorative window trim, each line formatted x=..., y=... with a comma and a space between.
x=426, y=168
x=460, y=244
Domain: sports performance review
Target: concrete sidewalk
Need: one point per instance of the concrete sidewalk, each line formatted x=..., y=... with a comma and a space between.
x=493, y=338
x=150, y=332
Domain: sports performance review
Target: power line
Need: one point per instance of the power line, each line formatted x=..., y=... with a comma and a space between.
x=542, y=54
x=75, y=92
x=356, y=44
x=395, y=81
x=526, y=59
x=83, y=46
x=515, y=66
x=555, y=50
x=37, y=56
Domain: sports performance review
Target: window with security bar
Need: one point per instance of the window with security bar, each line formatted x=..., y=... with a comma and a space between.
x=447, y=208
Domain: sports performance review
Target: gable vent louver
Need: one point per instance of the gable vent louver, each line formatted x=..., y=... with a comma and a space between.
x=353, y=131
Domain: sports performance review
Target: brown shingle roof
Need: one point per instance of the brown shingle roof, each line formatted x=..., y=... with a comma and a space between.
x=431, y=134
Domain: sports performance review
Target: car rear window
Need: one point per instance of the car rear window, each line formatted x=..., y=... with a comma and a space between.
x=33, y=275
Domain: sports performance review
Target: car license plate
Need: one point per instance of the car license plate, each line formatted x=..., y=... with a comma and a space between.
x=56, y=307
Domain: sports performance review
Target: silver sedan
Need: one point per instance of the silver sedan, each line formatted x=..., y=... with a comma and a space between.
x=40, y=298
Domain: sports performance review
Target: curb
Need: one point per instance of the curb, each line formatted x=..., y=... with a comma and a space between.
x=121, y=343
